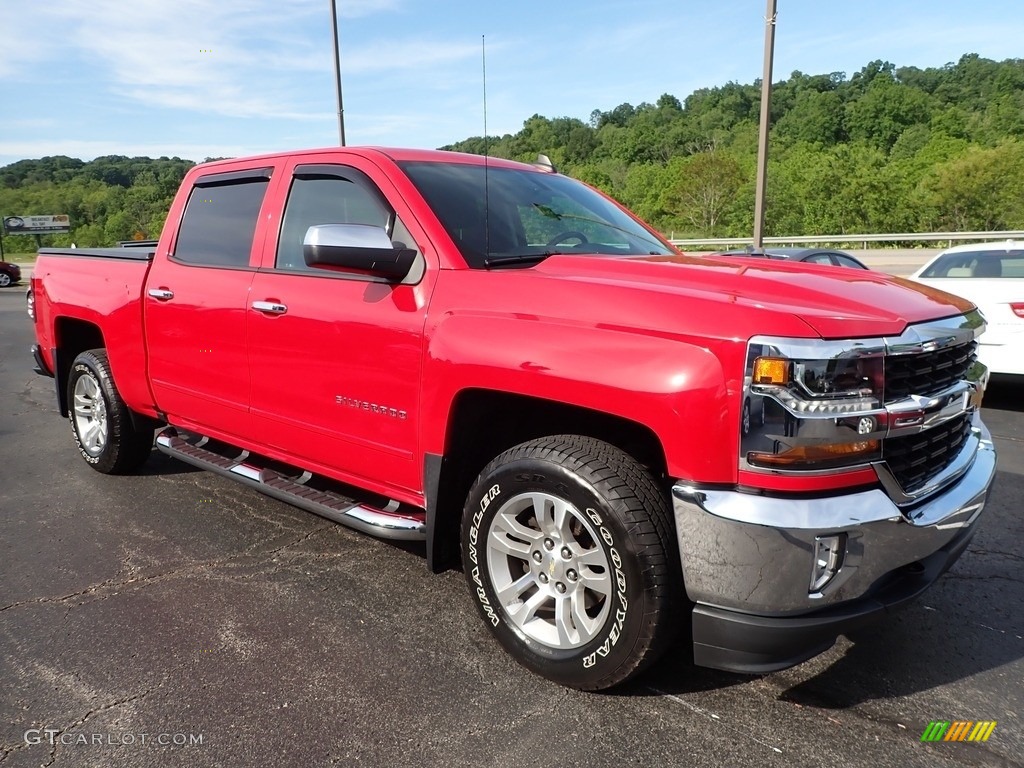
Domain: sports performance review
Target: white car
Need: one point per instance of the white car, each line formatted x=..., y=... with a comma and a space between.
x=992, y=276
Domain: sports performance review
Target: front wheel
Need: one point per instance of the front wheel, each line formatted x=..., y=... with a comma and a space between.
x=568, y=546
x=100, y=421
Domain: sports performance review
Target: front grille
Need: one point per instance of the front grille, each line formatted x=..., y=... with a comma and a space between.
x=916, y=459
x=927, y=373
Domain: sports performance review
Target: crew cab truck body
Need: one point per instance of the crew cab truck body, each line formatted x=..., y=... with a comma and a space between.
x=503, y=363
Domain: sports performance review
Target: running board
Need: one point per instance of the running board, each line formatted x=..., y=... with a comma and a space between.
x=386, y=522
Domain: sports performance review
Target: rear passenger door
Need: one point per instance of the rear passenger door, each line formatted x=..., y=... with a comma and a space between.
x=335, y=356
x=196, y=306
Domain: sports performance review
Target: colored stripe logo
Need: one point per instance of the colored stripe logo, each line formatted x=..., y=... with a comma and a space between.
x=958, y=730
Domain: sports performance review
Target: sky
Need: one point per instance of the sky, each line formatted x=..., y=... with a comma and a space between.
x=219, y=78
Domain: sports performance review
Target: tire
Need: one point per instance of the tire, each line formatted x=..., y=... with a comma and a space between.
x=100, y=421
x=589, y=602
x=5, y=280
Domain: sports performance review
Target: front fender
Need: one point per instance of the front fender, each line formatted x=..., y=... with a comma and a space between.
x=678, y=390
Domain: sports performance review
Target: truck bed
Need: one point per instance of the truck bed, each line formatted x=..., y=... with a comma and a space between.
x=135, y=254
x=80, y=290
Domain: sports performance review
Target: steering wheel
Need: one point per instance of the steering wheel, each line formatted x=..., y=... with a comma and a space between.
x=569, y=234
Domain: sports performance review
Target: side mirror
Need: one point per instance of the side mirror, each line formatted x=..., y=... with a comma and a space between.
x=361, y=248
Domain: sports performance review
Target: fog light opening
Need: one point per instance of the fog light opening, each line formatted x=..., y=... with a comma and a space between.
x=829, y=552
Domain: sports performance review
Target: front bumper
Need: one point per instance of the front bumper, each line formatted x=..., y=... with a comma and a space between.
x=747, y=562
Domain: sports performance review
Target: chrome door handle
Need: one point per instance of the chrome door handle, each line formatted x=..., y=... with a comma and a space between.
x=270, y=307
x=161, y=293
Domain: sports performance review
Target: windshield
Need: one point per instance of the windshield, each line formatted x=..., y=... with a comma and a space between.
x=529, y=214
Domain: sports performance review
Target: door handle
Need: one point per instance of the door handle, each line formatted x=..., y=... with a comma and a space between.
x=269, y=307
x=162, y=294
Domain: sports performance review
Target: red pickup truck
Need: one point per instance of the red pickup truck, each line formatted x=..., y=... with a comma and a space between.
x=628, y=449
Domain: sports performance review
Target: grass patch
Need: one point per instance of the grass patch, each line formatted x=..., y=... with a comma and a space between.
x=20, y=258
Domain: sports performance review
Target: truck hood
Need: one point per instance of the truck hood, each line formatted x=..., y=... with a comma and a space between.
x=833, y=301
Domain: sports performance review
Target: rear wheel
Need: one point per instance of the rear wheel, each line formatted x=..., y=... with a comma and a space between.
x=5, y=280
x=100, y=421
x=568, y=546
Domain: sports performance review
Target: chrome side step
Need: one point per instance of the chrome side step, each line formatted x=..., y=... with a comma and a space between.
x=388, y=521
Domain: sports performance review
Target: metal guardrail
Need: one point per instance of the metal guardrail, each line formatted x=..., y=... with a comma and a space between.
x=903, y=237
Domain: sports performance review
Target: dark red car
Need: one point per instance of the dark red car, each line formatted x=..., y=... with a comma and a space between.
x=10, y=274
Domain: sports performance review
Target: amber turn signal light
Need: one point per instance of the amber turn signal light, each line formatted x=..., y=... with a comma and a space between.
x=771, y=370
x=811, y=454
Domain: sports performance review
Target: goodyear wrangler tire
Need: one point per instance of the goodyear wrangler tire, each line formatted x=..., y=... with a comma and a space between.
x=569, y=550
x=100, y=421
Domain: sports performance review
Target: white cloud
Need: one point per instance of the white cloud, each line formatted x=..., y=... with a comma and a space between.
x=410, y=56
x=354, y=9
x=224, y=57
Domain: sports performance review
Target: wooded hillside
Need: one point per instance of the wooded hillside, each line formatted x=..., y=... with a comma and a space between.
x=108, y=199
x=885, y=150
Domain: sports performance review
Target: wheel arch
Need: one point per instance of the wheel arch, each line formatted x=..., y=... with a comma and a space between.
x=72, y=336
x=482, y=423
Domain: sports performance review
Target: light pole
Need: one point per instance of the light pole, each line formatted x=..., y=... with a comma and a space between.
x=337, y=72
x=762, y=142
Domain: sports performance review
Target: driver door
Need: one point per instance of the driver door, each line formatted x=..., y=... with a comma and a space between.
x=335, y=365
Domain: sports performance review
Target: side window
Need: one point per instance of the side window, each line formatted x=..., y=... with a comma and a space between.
x=326, y=200
x=1013, y=266
x=219, y=223
x=819, y=258
x=846, y=261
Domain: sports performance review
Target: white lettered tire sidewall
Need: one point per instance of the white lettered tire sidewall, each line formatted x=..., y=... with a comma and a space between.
x=124, y=447
x=613, y=646
x=79, y=370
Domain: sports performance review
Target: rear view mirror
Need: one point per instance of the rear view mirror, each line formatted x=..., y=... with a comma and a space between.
x=361, y=248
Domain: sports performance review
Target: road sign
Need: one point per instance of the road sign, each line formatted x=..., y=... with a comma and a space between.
x=37, y=225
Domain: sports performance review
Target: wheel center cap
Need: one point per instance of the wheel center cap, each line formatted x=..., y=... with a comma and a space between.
x=550, y=572
x=552, y=567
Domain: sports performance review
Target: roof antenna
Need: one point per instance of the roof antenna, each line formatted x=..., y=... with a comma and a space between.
x=487, y=201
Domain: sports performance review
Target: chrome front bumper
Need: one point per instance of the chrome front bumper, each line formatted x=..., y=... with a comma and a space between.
x=748, y=559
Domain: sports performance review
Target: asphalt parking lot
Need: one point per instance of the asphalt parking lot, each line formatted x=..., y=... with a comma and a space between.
x=177, y=619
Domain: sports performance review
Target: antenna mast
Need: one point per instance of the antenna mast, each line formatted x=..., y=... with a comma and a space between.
x=337, y=73
x=487, y=186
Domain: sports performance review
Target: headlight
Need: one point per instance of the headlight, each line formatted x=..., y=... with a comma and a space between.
x=819, y=413
x=821, y=386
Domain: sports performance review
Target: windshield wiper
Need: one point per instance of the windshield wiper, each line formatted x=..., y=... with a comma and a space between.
x=518, y=258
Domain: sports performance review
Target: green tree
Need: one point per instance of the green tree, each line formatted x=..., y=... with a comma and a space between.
x=979, y=190
x=816, y=117
x=884, y=111
x=702, y=190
